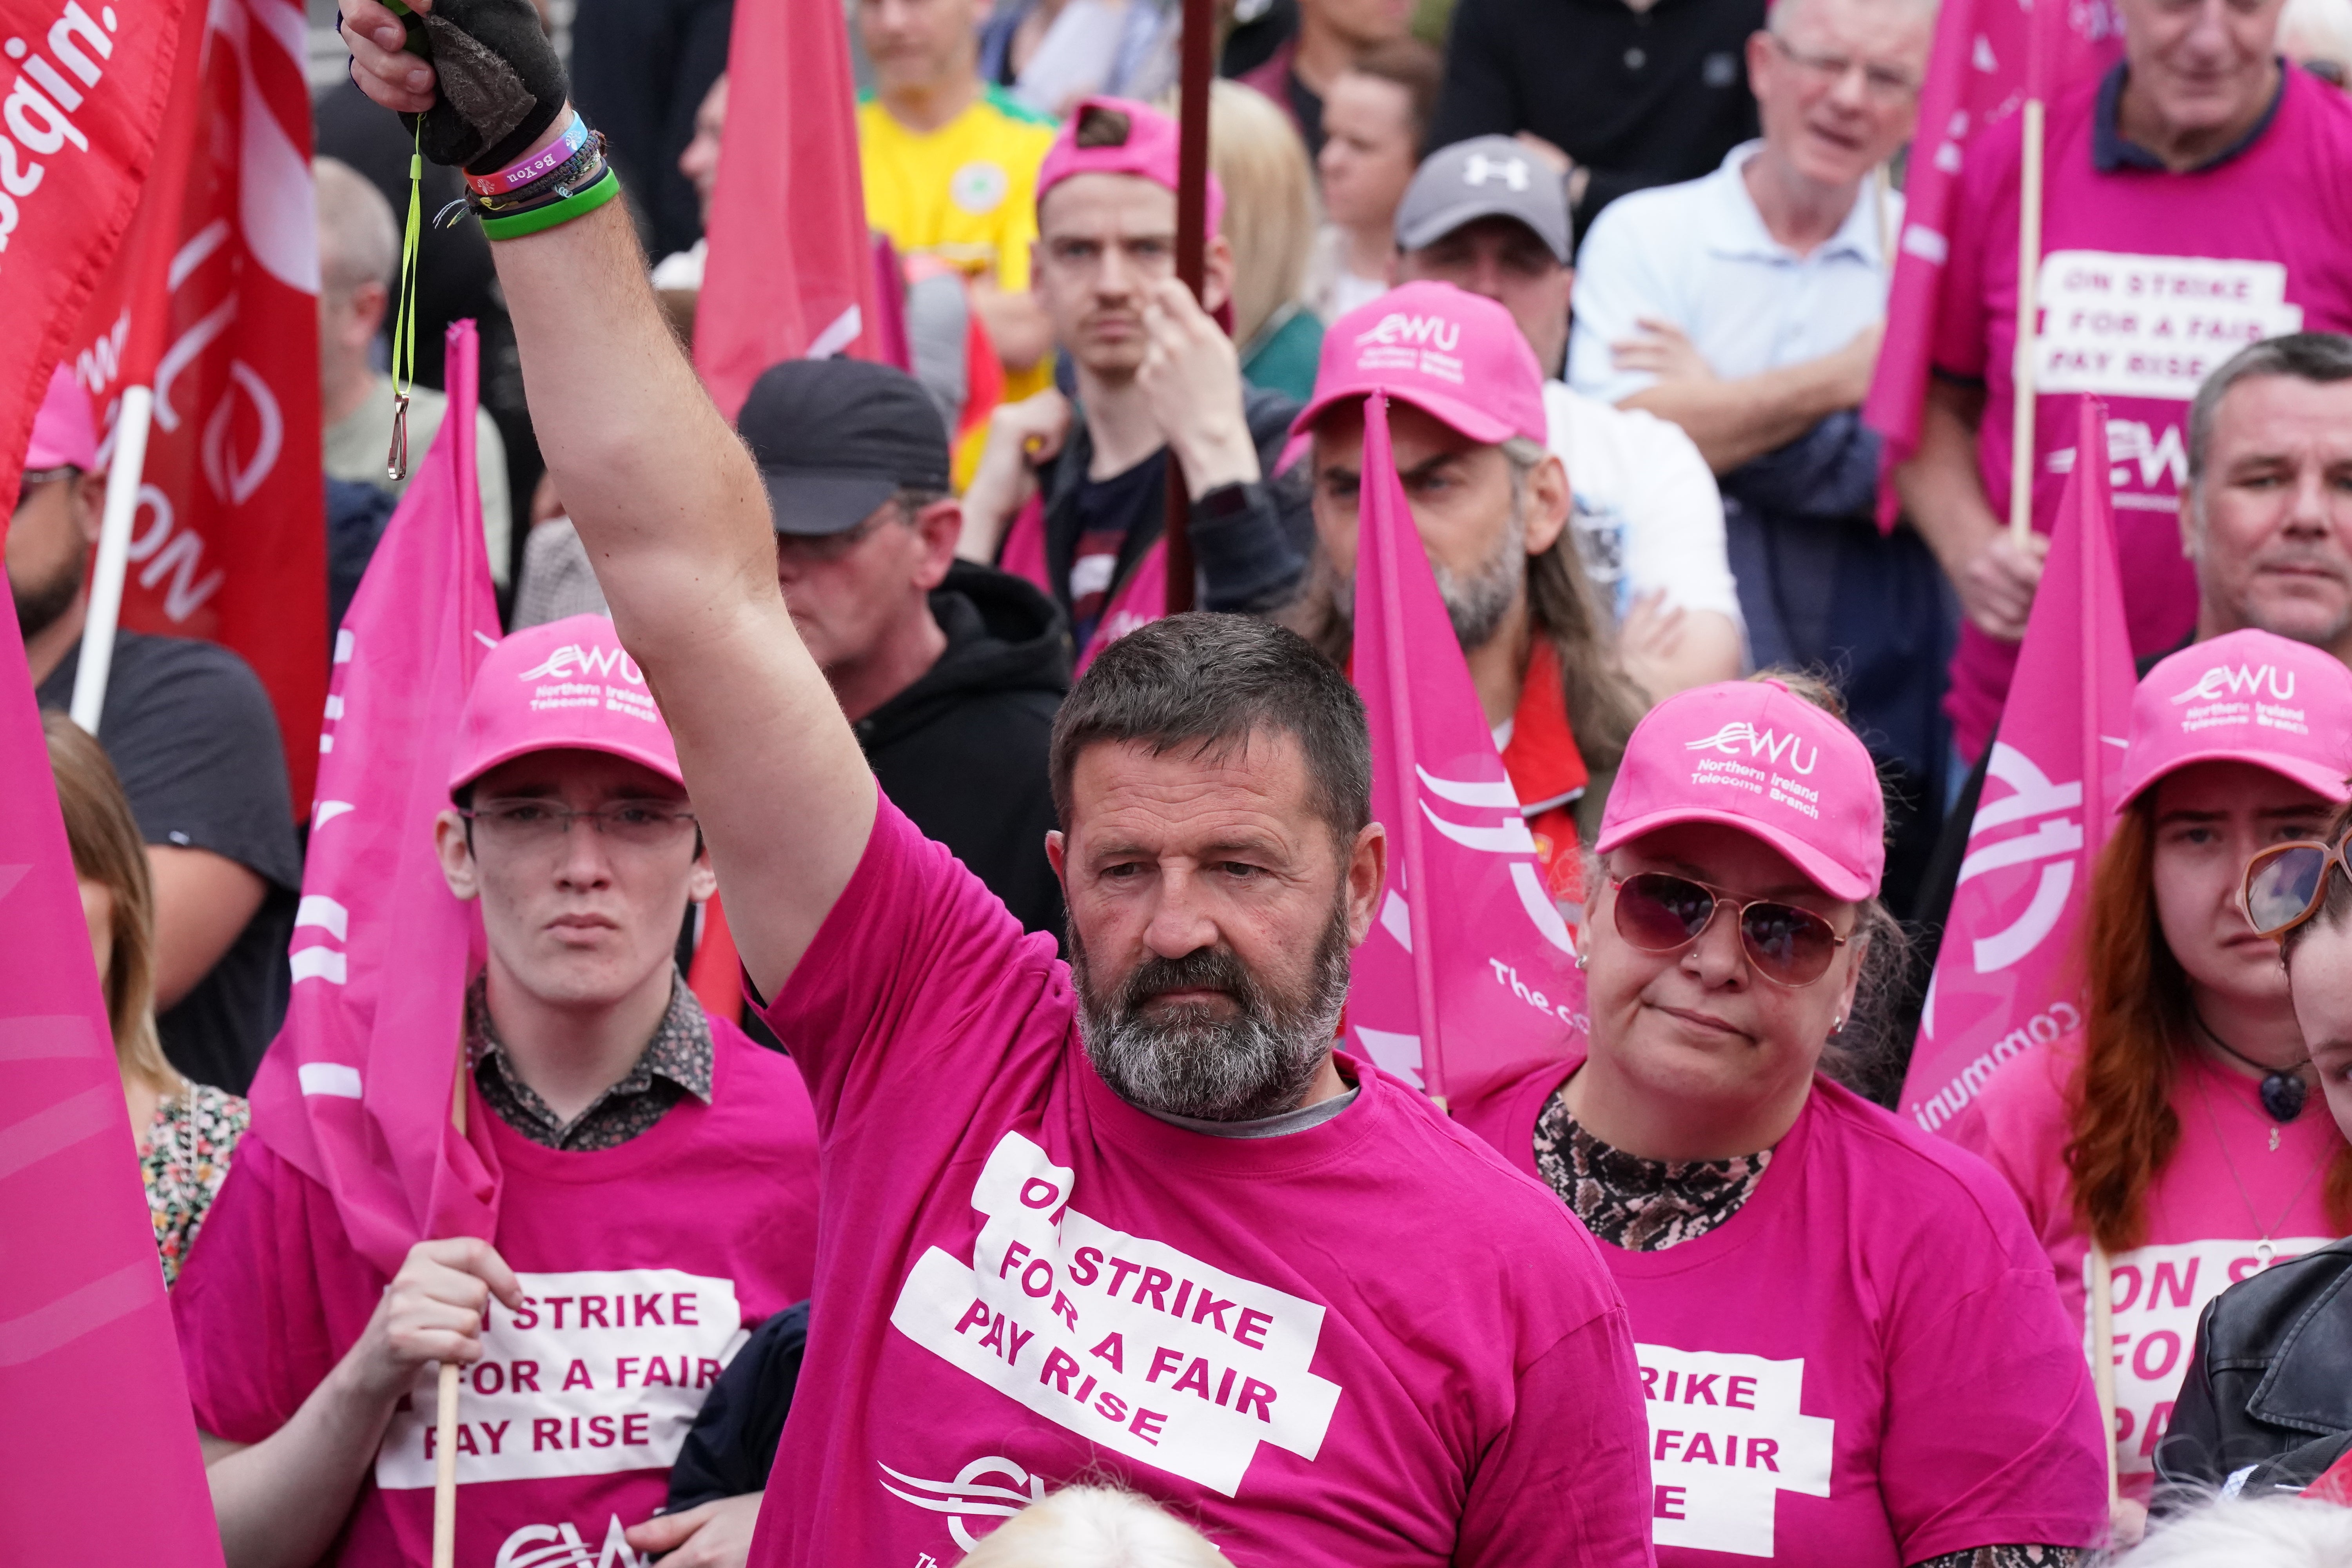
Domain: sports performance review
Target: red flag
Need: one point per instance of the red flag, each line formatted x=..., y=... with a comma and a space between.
x=357, y=1089
x=229, y=542
x=1976, y=75
x=2003, y=981
x=80, y=116
x=1468, y=977
x=99, y=1446
x=790, y=274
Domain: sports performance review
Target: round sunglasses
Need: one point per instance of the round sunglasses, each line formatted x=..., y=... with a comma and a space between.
x=2286, y=883
x=1657, y=911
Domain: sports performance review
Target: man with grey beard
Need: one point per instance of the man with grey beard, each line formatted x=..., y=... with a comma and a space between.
x=1276, y=1291
x=2267, y=514
x=1492, y=505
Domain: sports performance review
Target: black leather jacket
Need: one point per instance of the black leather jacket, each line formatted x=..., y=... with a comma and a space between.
x=2271, y=1385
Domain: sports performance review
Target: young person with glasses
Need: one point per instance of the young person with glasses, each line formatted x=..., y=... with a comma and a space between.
x=2174, y=1128
x=1851, y=1344
x=658, y=1197
x=2266, y=1407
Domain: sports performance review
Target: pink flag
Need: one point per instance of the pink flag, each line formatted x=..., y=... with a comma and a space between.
x=1976, y=75
x=789, y=273
x=357, y=1090
x=98, y=1453
x=1468, y=977
x=2004, y=980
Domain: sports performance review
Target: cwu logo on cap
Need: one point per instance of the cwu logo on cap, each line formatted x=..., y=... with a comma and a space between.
x=2239, y=680
x=572, y=659
x=1760, y=743
x=1429, y=331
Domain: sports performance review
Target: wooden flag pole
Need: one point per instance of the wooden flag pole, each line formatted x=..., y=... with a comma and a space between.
x=1198, y=53
x=445, y=1441
x=2029, y=321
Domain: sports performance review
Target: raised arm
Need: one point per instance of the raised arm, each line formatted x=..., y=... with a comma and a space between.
x=676, y=523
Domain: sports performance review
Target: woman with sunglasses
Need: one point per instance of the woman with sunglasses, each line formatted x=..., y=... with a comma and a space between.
x=2267, y=1404
x=2172, y=1129
x=1851, y=1346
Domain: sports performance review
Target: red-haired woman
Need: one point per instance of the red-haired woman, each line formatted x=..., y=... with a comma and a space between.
x=2179, y=1129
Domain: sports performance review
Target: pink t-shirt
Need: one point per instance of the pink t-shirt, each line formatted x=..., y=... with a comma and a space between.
x=2149, y=280
x=2201, y=1227
x=1365, y=1345
x=1865, y=1367
x=645, y=1266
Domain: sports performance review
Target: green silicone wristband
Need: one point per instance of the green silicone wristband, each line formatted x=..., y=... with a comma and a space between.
x=579, y=203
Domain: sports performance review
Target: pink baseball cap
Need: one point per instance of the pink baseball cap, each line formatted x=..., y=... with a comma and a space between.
x=1456, y=356
x=2249, y=697
x=63, y=435
x=567, y=685
x=1147, y=151
x=1752, y=755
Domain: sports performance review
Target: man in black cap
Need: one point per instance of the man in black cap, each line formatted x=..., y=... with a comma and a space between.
x=949, y=672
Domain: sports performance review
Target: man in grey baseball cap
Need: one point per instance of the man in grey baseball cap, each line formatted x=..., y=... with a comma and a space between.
x=949, y=672
x=1491, y=216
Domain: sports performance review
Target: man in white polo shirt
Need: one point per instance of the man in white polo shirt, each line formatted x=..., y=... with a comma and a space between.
x=1746, y=307
x=1488, y=218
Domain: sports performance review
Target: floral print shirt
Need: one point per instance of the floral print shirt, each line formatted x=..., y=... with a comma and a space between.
x=183, y=1160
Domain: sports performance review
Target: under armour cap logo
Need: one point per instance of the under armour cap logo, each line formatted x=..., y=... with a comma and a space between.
x=1477, y=169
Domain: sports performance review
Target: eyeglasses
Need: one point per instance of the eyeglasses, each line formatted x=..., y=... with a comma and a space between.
x=2286, y=883
x=1660, y=913
x=1883, y=83
x=32, y=477
x=527, y=824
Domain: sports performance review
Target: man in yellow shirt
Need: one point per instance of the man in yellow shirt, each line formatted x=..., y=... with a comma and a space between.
x=950, y=168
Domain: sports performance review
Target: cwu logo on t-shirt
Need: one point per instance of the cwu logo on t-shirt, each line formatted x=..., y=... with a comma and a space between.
x=1727, y=1436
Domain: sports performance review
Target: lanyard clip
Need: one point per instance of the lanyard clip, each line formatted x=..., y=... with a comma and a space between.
x=395, y=461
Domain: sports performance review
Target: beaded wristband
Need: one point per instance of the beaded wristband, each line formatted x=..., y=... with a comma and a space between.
x=515, y=177
x=579, y=203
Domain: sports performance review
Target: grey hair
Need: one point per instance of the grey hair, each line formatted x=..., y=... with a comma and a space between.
x=1095, y=1527
x=359, y=240
x=1210, y=683
x=2278, y=1531
x=2320, y=357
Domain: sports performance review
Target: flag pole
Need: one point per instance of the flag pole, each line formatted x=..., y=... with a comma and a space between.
x=2029, y=281
x=124, y=470
x=445, y=1441
x=1199, y=52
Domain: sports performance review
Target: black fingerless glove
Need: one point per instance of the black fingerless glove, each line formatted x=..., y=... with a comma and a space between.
x=500, y=82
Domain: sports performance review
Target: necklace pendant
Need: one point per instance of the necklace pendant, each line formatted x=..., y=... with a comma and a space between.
x=2275, y=1138
x=2263, y=1253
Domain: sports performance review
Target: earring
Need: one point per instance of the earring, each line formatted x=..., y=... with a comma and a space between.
x=1581, y=962
x=1837, y=1024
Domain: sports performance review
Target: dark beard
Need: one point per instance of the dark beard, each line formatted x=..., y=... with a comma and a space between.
x=39, y=605
x=1183, y=1062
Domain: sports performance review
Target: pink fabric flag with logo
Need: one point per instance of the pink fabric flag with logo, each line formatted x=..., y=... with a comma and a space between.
x=2004, y=978
x=98, y=1454
x=1469, y=976
x=357, y=1090
x=1976, y=75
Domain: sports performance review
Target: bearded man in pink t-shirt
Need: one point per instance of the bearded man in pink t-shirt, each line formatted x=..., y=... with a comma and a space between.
x=656, y=1186
x=1132, y=1218
x=2190, y=210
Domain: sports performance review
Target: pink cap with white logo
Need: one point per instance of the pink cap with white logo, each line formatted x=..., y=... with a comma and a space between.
x=1456, y=356
x=565, y=686
x=2248, y=697
x=1146, y=149
x=1752, y=755
x=63, y=434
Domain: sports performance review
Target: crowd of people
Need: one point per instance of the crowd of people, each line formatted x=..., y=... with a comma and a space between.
x=1027, y=1207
